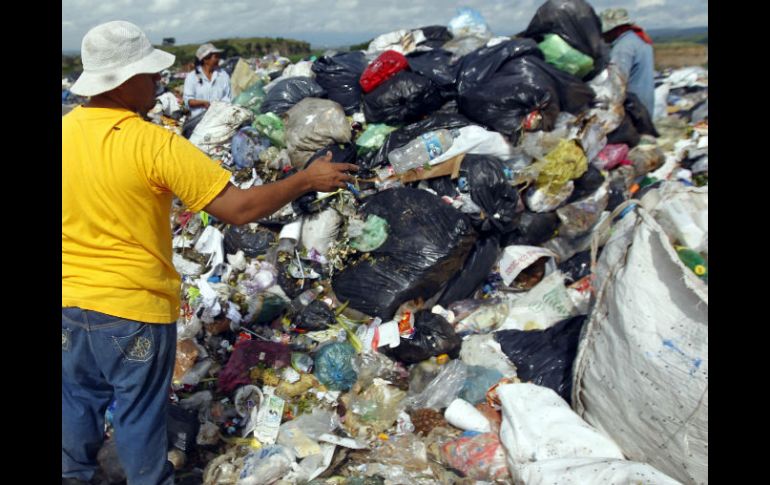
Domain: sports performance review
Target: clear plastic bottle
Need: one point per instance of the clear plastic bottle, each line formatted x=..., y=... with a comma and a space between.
x=304, y=298
x=421, y=150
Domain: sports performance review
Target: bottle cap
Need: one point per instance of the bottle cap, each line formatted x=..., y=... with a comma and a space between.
x=699, y=269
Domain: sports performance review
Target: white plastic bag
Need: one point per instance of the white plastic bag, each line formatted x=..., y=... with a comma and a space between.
x=485, y=351
x=219, y=125
x=320, y=230
x=641, y=372
x=476, y=140
x=312, y=124
x=547, y=443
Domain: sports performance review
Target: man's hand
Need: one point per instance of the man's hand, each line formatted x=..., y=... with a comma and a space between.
x=325, y=176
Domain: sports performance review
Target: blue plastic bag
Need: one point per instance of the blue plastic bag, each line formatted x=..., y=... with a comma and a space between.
x=246, y=147
x=467, y=22
x=334, y=366
x=478, y=382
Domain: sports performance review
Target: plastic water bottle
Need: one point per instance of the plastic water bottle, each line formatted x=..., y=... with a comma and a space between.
x=421, y=150
x=304, y=298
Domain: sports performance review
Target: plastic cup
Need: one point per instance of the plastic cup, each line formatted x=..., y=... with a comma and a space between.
x=463, y=415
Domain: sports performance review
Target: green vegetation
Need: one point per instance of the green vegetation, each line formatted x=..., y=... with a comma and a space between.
x=362, y=46
x=244, y=47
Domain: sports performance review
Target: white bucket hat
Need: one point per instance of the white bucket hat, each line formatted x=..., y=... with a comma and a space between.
x=114, y=52
x=614, y=17
x=205, y=50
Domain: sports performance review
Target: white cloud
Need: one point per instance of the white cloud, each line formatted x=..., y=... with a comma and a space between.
x=344, y=21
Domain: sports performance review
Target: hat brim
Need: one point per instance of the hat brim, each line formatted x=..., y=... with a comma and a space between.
x=208, y=53
x=607, y=26
x=93, y=83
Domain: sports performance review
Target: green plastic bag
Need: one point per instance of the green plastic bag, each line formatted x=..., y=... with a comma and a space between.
x=373, y=138
x=251, y=98
x=271, y=126
x=565, y=57
x=374, y=233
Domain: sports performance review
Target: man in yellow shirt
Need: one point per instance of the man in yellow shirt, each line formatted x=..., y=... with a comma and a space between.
x=120, y=291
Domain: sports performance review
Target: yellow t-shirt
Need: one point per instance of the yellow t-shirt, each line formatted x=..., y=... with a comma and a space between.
x=119, y=174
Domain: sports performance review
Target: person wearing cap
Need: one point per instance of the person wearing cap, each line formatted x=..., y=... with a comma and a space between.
x=206, y=83
x=632, y=52
x=120, y=291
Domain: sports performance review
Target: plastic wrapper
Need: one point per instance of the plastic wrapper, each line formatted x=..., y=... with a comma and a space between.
x=219, y=123
x=540, y=200
x=462, y=46
x=301, y=433
x=432, y=336
x=339, y=76
x=545, y=357
x=404, y=98
x=402, y=41
x=479, y=264
x=374, y=137
x=382, y=68
x=288, y=92
x=437, y=66
x=377, y=408
x=371, y=365
x=312, y=124
x=485, y=351
x=224, y=469
x=478, y=382
x=579, y=217
x=532, y=229
x=646, y=158
x=428, y=241
x=576, y=22
x=563, y=56
x=610, y=156
x=442, y=390
x=407, y=451
x=479, y=457
x=407, y=133
x=251, y=98
x=334, y=366
x=316, y=316
x=467, y=22
x=271, y=126
x=367, y=235
x=252, y=242
x=247, y=354
x=246, y=147
x=186, y=354
x=266, y=465
x=564, y=163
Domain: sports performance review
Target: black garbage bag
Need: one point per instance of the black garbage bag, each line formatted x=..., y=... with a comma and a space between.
x=586, y=184
x=404, y=98
x=544, y=357
x=428, y=242
x=189, y=126
x=576, y=22
x=491, y=190
x=339, y=76
x=407, y=133
x=576, y=267
x=315, y=316
x=432, y=336
x=639, y=115
x=480, y=262
x=624, y=133
x=533, y=229
x=251, y=242
x=436, y=32
x=523, y=85
x=229, y=65
x=341, y=153
x=436, y=65
x=444, y=186
x=181, y=427
x=288, y=92
x=481, y=65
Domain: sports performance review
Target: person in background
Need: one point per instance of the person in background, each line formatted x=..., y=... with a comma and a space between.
x=206, y=83
x=631, y=51
x=120, y=290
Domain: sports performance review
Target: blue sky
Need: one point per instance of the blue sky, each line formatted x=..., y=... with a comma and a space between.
x=330, y=23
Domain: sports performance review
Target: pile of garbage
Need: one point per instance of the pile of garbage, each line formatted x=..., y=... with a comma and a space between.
x=429, y=323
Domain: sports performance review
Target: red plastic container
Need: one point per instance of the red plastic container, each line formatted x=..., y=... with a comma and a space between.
x=382, y=68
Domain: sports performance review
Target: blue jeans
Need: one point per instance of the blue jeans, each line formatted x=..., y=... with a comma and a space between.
x=105, y=357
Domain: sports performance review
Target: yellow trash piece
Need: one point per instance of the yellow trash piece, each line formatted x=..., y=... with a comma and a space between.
x=564, y=163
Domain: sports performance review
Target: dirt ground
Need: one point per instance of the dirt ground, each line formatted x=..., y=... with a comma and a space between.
x=680, y=55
